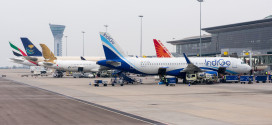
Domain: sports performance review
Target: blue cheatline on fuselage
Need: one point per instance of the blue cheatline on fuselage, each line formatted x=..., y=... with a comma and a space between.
x=216, y=69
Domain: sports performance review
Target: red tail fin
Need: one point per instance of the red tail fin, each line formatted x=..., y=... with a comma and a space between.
x=161, y=50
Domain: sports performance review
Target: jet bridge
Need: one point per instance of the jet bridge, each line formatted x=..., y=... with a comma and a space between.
x=259, y=61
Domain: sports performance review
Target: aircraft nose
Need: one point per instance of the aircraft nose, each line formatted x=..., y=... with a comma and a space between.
x=40, y=64
x=248, y=68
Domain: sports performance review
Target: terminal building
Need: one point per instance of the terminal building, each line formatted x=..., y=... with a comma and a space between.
x=231, y=40
x=57, y=31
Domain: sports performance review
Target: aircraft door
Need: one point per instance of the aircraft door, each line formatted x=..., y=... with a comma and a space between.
x=80, y=69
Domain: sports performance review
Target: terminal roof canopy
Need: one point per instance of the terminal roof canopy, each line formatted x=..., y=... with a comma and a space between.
x=192, y=40
x=240, y=26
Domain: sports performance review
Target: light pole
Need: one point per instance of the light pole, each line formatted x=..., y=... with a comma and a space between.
x=83, y=41
x=141, y=43
x=66, y=44
x=200, y=48
x=173, y=46
x=106, y=28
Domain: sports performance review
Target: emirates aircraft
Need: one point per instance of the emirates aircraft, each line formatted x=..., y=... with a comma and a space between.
x=20, y=56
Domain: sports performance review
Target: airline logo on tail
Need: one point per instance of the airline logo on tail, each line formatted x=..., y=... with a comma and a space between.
x=161, y=50
x=30, y=48
x=17, y=49
x=108, y=38
x=111, y=48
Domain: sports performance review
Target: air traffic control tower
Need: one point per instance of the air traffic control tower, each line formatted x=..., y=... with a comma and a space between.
x=57, y=31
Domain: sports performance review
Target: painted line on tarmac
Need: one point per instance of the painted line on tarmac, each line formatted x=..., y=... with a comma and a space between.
x=146, y=120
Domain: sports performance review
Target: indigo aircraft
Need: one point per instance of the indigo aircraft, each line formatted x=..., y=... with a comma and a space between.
x=117, y=59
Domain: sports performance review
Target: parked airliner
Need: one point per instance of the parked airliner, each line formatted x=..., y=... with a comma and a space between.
x=67, y=65
x=20, y=56
x=35, y=55
x=117, y=59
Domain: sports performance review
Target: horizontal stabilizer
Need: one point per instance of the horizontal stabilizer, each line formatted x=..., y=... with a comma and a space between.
x=34, y=59
x=114, y=63
x=16, y=60
x=48, y=63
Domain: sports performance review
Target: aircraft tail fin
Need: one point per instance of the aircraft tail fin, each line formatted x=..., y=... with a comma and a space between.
x=30, y=48
x=161, y=50
x=17, y=49
x=47, y=54
x=111, y=48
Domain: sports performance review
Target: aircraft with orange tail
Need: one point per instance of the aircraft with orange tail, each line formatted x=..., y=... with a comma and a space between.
x=161, y=50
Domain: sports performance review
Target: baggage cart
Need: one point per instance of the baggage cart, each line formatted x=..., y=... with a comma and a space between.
x=246, y=79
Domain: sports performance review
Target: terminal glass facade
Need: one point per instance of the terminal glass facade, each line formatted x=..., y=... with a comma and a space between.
x=257, y=39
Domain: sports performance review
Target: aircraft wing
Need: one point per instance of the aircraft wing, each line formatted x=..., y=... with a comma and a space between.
x=113, y=63
x=191, y=68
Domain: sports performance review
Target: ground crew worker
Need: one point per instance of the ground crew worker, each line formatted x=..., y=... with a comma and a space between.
x=162, y=79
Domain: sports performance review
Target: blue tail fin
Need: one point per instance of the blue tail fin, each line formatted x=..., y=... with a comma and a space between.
x=30, y=48
x=111, y=48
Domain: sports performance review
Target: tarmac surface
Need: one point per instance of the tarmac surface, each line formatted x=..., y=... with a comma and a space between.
x=22, y=104
x=218, y=104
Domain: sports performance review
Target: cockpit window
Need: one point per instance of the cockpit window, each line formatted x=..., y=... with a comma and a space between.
x=243, y=62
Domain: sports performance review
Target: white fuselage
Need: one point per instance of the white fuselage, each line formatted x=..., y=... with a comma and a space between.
x=176, y=65
x=75, y=65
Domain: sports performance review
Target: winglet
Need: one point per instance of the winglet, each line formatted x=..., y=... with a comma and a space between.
x=82, y=58
x=186, y=58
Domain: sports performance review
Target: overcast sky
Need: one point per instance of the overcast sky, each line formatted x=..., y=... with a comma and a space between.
x=163, y=20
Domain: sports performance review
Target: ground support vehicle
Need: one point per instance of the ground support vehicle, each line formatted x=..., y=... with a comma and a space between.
x=171, y=81
x=97, y=82
x=261, y=78
x=246, y=79
x=58, y=74
x=230, y=79
x=207, y=78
